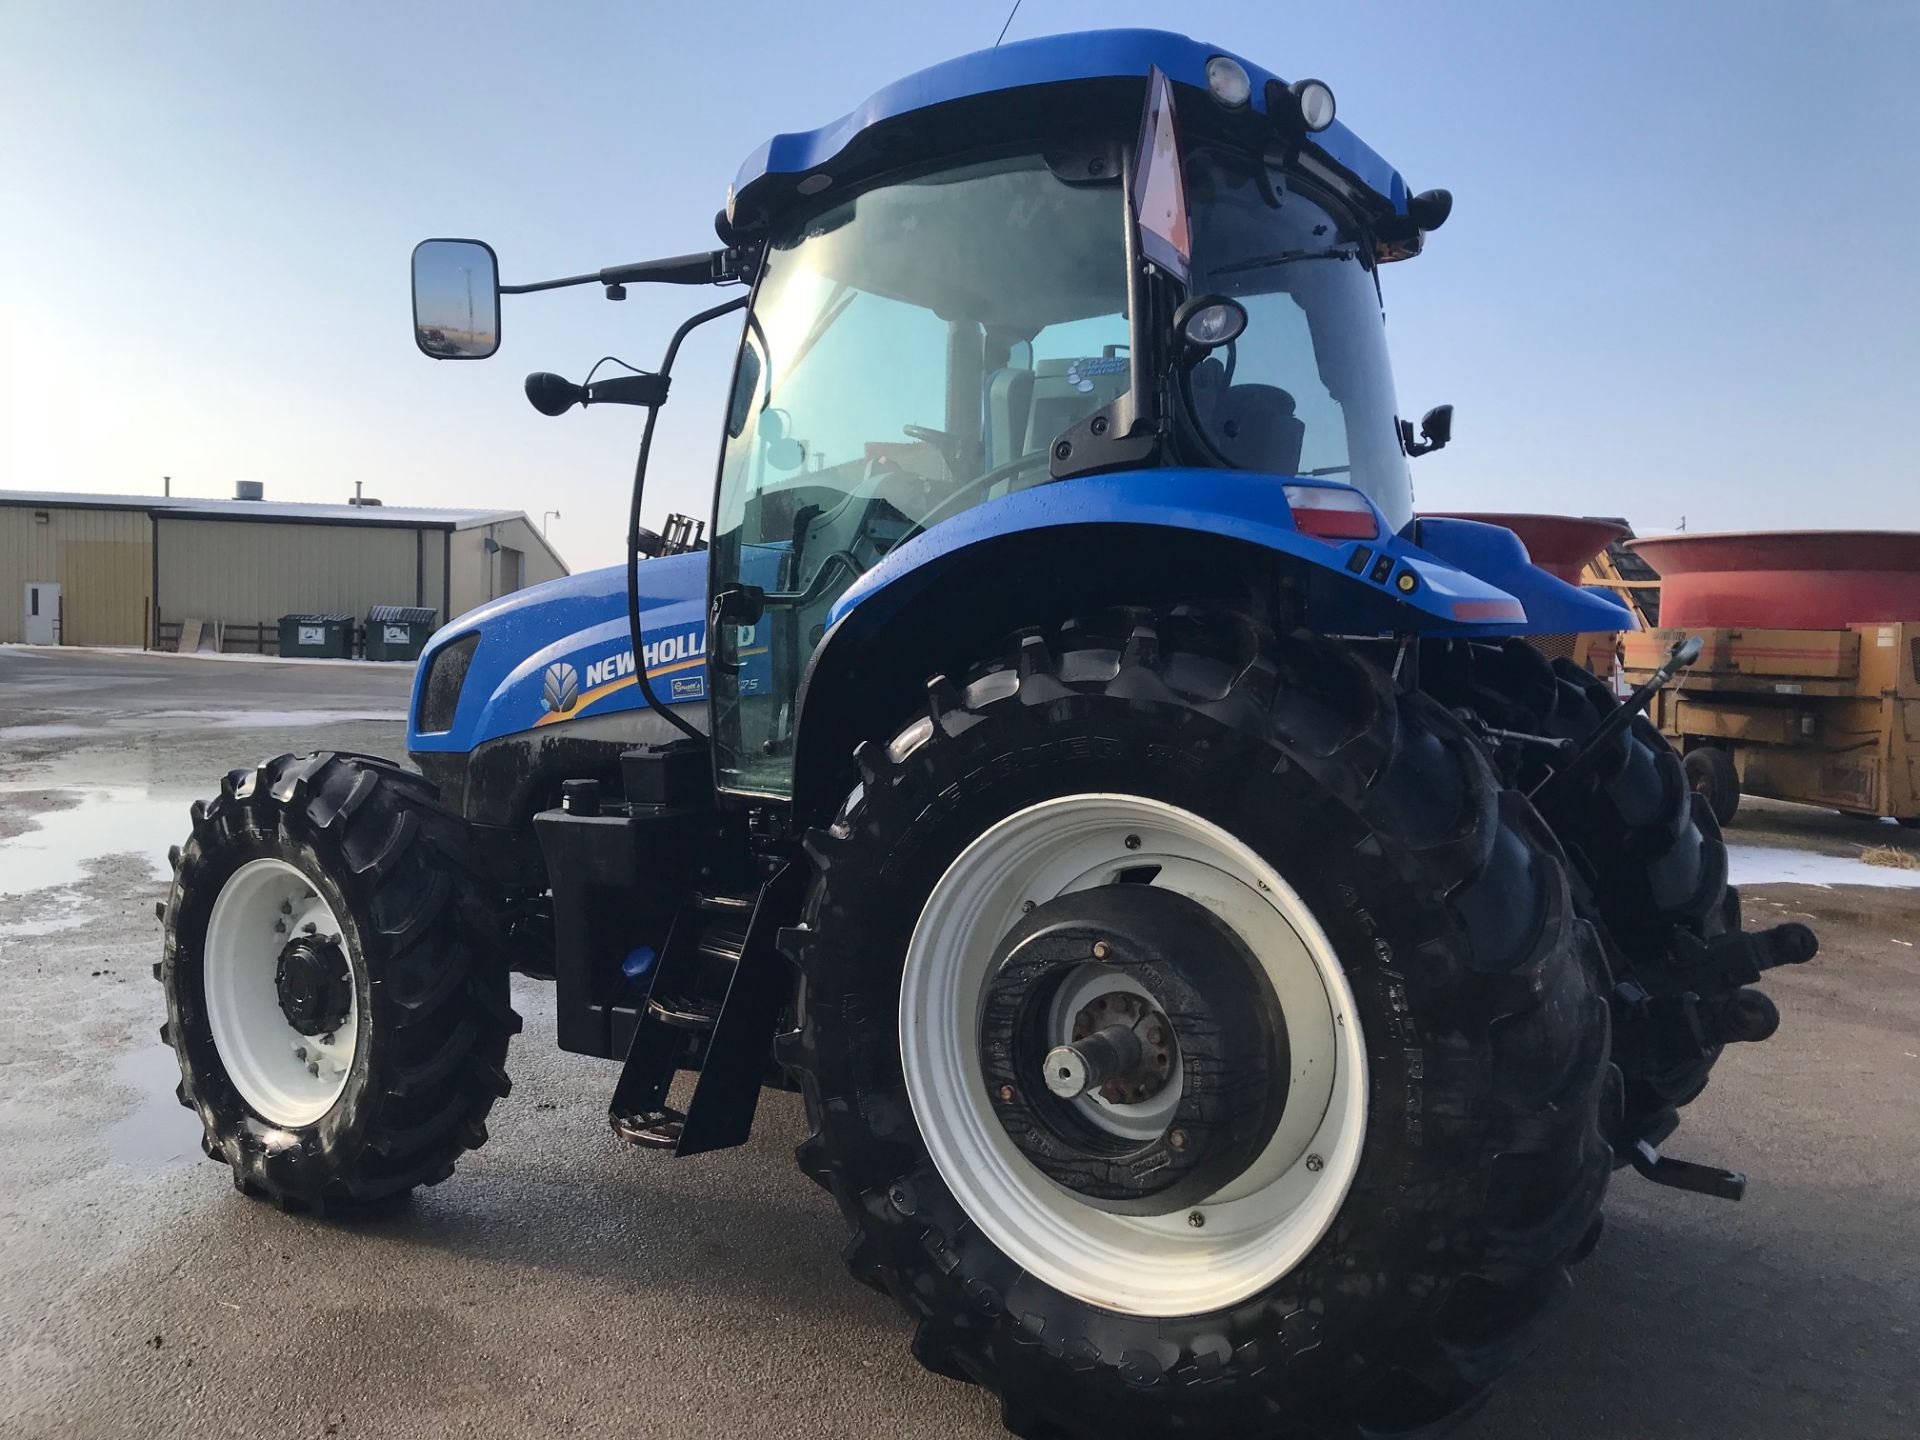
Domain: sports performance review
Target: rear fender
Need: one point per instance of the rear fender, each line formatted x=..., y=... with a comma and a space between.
x=1147, y=537
x=1451, y=577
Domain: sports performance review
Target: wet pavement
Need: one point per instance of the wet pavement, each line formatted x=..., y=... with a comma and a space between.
x=562, y=1285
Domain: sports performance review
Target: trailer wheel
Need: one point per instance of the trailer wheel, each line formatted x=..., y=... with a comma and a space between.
x=339, y=1018
x=1197, y=1038
x=1711, y=775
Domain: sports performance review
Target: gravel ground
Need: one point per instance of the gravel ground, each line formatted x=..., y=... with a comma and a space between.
x=562, y=1285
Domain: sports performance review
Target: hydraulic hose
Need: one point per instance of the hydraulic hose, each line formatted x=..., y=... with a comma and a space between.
x=634, y=629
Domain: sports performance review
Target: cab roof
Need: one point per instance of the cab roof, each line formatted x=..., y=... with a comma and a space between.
x=774, y=174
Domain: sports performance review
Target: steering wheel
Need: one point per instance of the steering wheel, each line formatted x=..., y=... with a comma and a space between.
x=940, y=440
x=952, y=503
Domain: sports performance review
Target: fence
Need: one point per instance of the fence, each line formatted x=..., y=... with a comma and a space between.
x=261, y=638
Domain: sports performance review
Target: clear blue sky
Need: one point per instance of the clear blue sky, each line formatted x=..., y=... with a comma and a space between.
x=1677, y=281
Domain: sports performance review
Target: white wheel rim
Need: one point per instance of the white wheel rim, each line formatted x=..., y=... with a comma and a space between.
x=286, y=1078
x=1260, y=1224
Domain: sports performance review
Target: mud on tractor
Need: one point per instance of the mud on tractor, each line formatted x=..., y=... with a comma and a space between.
x=1223, y=961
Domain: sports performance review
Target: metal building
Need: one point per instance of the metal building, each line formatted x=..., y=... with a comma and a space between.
x=130, y=569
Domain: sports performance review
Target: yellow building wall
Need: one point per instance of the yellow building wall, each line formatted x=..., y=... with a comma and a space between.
x=101, y=559
x=480, y=575
x=246, y=570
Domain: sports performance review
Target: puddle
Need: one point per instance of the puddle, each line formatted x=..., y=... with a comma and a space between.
x=26, y=929
x=114, y=820
x=161, y=1131
x=1765, y=865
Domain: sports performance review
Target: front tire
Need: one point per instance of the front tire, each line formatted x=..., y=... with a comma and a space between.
x=1450, y=1169
x=339, y=1018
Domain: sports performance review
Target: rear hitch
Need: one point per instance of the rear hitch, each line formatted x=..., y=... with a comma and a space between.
x=1686, y=1175
x=1683, y=654
x=1727, y=962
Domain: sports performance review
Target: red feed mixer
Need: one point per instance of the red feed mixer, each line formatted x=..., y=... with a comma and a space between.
x=1808, y=683
x=1786, y=579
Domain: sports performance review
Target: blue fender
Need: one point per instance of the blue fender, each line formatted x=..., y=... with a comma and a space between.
x=1461, y=577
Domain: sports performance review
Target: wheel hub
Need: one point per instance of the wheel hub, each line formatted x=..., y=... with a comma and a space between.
x=1122, y=1049
x=1092, y=1079
x=313, y=984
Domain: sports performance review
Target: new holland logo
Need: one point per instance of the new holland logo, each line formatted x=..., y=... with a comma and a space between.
x=562, y=690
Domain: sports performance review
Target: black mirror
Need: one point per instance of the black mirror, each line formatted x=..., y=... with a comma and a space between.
x=1436, y=429
x=456, y=299
x=552, y=394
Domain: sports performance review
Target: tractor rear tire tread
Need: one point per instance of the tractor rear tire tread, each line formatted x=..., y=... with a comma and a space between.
x=1649, y=862
x=392, y=862
x=1482, y=994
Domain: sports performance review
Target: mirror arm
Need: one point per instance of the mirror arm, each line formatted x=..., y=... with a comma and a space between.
x=707, y=267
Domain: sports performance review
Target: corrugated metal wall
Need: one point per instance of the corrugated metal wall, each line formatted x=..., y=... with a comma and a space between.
x=244, y=571
x=251, y=570
x=100, y=559
x=478, y=573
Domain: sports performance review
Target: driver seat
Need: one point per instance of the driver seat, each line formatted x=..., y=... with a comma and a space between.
x=1254, y=427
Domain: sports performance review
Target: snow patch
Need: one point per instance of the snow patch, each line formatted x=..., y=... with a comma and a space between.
x=1766, y=865
x=68, y=650
x=275, y=719
x=42, y=732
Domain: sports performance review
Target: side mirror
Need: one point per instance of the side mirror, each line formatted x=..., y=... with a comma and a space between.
x=456, y=299
x=1436, y=429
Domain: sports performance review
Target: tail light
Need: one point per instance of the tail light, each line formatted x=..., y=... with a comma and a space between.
x=1332, y=512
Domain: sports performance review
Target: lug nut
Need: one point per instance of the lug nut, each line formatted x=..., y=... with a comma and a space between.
x=1133, y=842
x=1196, y=1219
x=1316, y=1164
x=1177, y=1139
x=1006, y=1093
x=1099, y=949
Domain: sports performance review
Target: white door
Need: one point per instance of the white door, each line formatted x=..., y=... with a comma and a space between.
x=43, y=613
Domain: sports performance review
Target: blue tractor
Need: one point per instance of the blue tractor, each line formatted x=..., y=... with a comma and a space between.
x=1223, y=959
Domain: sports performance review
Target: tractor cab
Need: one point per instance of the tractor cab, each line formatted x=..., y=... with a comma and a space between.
x=986, y=323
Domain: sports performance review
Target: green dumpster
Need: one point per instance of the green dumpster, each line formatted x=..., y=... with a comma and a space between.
x=396, y=632
x=325, y=636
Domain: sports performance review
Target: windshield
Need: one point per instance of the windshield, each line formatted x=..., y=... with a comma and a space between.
x=911, y=352
x=1306, y=390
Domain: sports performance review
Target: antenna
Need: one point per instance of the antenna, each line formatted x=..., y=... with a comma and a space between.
x=1003, y=29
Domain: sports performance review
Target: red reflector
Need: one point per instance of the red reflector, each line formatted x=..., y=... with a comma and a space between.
x=1329, y=514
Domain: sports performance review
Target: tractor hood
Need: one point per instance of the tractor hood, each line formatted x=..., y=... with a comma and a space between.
x=1022, y=90
x=560, y=651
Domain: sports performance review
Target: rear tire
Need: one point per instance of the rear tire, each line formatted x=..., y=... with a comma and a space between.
x=1711, y=774
x=1478, y=995
x=407, y=1056
x=1648, y=862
